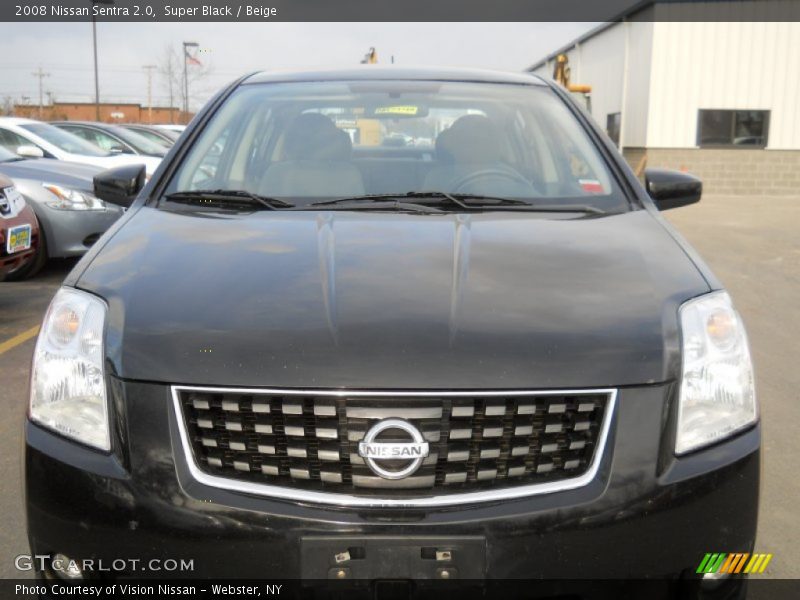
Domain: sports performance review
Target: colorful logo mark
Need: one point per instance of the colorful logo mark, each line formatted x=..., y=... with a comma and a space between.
x=734, y=563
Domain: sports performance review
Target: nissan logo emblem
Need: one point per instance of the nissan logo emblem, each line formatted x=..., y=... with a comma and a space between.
x=409, y=455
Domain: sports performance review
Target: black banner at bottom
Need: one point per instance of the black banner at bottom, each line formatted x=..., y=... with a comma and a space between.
x=465, y=589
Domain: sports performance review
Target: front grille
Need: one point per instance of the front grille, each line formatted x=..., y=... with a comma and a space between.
x=310, y=440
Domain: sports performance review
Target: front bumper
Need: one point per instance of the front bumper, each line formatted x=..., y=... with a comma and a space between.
x=72, y=232
x=646, y=514
x=11, y=262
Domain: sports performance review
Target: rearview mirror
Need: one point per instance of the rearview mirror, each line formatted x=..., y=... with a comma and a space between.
x=30, y=151
x=671, y=189
x=120, y=185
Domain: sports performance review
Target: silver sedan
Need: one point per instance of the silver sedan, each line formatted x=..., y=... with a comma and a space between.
x=71, y=218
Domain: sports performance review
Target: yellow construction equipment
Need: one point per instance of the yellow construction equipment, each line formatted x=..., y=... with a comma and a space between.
x=370, y=58
x=561, y=73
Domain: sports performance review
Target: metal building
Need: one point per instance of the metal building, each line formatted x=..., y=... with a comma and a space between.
x=718, y=99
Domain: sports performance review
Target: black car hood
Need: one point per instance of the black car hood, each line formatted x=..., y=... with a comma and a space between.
x=60, y=172
x=388, y=300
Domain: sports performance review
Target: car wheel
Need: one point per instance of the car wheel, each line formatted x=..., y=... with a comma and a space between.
x=32, y=267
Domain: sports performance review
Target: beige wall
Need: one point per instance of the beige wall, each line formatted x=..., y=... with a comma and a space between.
x=730, y=171
x=604, y=61
x=637, y=87
x=676, y=68
x=723, y=65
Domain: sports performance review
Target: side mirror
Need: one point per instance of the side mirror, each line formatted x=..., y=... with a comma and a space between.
x=120, y=185
x=30, y=151
x=119, y=149
x=671, y=189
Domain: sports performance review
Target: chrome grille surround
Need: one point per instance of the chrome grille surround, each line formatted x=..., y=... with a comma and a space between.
x=324, y=405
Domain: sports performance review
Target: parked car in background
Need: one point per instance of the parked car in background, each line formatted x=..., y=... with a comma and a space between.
x=156, y=134
x=19, y=229
x=35, y=139
x=70, y=217
x=114, y=138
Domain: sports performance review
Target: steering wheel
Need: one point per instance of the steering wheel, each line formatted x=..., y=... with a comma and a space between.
x=513, y=176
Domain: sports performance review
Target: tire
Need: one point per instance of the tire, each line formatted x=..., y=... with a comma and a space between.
x=32, y=267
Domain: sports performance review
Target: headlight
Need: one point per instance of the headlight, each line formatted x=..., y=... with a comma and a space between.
x=13, y=199
x=717, y=394
x=67, y=199
x=68, y=390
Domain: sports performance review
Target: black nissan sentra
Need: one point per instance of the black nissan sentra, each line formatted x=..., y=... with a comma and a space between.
x=392, y=324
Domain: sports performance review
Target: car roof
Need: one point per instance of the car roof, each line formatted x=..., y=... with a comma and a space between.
x=18, y=120
x=88, y=123
x=373, y=72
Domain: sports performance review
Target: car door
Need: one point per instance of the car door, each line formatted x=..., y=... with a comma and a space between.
x=11, y=141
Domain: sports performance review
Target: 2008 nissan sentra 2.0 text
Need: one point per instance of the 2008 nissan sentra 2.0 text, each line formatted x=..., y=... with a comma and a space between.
x=394, y=323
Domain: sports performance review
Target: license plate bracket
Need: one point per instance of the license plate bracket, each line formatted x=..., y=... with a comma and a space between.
x=393, y=557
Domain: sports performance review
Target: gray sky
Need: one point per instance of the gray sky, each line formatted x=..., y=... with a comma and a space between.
x=230, y=49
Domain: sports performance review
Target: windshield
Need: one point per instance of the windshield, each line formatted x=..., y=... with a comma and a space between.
x=138, y=142
x=64, y=140
x=309, y=141
x=157, y=137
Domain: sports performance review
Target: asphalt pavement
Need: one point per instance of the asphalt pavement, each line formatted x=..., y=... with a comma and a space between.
x=22, y=307
x=752, y=244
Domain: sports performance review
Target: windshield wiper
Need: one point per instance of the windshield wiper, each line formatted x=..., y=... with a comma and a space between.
x=227, y=198
x=468, y=201
x=377, y=202
x=424, y=202
x=567, y=208
x=457, y=199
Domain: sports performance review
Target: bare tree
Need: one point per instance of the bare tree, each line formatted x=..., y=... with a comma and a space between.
x=8, y=105
x=170, y=70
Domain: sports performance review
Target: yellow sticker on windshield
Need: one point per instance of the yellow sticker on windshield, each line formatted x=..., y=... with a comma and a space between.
x=397, y=110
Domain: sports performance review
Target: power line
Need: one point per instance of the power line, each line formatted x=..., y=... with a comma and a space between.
x=105, y=69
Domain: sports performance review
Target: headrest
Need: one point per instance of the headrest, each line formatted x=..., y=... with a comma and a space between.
x=313, y=136
x=470, y=139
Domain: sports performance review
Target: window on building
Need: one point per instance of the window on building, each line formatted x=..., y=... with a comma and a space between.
x=747, y=128
x=613, y=122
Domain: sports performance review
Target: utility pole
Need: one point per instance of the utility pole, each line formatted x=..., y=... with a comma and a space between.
x=94, y=43
x=186, y=58
x=41, y=75
x=149, y=70
x=96, y=76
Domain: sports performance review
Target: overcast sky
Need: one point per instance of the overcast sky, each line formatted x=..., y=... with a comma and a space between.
x=64, y=50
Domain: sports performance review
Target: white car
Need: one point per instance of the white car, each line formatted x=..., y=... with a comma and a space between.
x=35, y=139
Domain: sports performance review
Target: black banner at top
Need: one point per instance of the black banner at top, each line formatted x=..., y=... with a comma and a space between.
x=152, y=11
